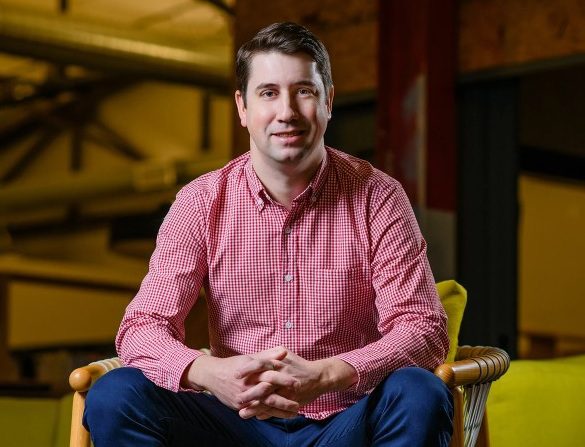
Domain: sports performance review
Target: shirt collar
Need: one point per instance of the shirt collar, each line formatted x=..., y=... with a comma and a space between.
x=316, y=185
x=259, y=195
x=312, y=192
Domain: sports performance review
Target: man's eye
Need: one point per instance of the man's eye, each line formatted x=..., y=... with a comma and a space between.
x=268, y=94
x=305, y=91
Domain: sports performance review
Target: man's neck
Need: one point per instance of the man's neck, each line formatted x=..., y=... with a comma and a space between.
x=286, y=181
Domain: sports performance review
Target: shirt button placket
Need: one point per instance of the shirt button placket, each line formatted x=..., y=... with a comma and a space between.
x=288, y=324
x=289, y=286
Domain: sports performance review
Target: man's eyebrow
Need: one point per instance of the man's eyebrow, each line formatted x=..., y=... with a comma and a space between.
x=265, y=85
x=304, y=82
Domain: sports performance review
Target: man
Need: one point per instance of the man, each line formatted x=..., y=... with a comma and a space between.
x=323, y=315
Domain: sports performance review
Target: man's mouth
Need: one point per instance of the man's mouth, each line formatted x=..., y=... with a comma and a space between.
x=290, y=134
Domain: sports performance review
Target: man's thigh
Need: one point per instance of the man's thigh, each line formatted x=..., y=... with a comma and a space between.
x=125, y=408
x=411, y=407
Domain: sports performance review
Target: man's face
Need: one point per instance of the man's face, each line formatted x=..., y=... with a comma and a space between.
x=286, y=110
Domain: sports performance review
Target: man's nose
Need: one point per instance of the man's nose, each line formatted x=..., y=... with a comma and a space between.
x=288, y=108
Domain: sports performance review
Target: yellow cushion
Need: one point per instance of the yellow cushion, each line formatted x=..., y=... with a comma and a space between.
x=539, y=403
x=453, y=297
x=27, y=422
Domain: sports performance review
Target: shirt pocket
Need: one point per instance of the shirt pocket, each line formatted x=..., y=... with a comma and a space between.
x=342, y=299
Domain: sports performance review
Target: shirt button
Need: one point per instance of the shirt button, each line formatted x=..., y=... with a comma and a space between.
x=313, y=198
x=288, y=324
x=288, y=278
x=288, y=230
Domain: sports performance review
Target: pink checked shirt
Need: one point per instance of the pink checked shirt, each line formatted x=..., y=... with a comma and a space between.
x=344, y=273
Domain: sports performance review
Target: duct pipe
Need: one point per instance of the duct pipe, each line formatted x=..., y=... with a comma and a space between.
x=75, y=188
x=70, y=41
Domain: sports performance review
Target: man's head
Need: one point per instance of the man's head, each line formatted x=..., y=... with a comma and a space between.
x=286, y=38
x=285, y=98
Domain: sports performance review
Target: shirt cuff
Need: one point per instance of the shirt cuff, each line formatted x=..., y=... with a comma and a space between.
x=369, y=375
x=174, y=365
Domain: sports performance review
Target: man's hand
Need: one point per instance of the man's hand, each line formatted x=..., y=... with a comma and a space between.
x=314, y=379
x=230, y=378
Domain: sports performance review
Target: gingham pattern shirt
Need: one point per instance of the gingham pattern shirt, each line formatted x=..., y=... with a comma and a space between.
x=344, y=273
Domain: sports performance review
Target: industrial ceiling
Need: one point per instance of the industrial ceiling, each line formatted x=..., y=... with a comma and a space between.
x=181, y=40
x=58, y=56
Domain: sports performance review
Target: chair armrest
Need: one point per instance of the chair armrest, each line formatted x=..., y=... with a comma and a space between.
x=474, y=365
x=83, y=378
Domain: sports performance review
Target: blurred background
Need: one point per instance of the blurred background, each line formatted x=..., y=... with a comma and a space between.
x=108, y=107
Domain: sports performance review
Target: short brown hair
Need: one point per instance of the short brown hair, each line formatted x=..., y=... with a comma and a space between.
x=286, y=38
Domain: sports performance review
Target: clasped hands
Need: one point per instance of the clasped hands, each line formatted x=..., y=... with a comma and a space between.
x=271, y=383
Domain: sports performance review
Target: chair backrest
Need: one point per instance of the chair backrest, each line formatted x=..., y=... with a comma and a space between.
x=453, y=298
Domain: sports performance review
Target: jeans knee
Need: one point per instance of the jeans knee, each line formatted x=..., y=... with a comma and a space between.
x=419, y=390
x=113, y=391
x=412, y=407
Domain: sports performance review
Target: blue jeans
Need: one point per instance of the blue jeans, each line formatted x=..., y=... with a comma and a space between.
x=412, y=407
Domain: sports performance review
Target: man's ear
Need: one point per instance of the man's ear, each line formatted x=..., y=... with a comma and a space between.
x=330, y=95
x=241, y=107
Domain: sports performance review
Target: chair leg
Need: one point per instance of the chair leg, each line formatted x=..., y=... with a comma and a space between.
x=79, y=435
x=458, y=438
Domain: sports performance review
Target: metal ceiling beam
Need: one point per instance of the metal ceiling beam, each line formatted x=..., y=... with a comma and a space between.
x=78, y=188
x=64, y=40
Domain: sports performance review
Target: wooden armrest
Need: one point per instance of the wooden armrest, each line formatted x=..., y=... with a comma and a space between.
x=83, y=378
x=474, y=365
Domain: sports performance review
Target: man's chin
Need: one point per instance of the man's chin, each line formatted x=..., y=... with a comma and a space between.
x=291, y=154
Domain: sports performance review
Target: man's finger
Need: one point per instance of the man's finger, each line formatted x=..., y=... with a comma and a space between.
x=252, y=366
x=257, y=392
x=278, y=378
x=261, y=361
x=281, y=403
x=276, y=353
x=275, y=401
x=260, y=409
x=269, y=382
